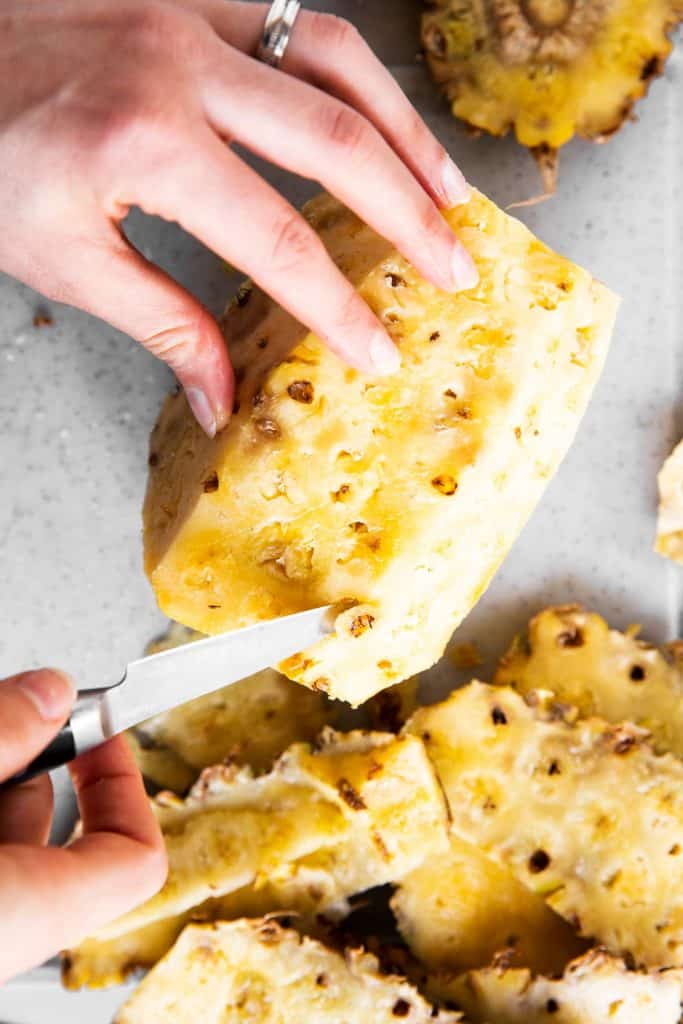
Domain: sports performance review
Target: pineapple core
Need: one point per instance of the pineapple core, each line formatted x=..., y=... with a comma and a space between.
x=396, y=497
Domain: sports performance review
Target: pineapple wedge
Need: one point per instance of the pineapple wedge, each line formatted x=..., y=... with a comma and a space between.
x=670, y=517
x=461, y=910
x=396, y=497
x=582, y=812
x=597, y=989
x=600, y=671
x=362, y=810
x=255, y=972
x=547, y=68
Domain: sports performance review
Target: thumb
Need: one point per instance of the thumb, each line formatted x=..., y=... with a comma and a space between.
x=33, y=706
x=112, y=280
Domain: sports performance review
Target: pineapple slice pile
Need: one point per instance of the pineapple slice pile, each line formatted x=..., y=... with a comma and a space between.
x=548, y=69
x=359, y=810
x=396, y=498
x=547, y=889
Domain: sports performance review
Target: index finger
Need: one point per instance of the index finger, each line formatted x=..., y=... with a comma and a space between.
x=53, y=898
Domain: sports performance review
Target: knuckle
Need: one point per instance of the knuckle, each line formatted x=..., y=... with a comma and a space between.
x=343, y=127
x=179, y=346
x=431, y=223
x=158, y=29
x=330, y=31
x=350, y=312
x=295, y=243
x=152, y=23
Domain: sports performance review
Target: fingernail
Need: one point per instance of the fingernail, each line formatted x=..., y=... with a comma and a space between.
x=384, y=355
x=203, y=413
x=453, y=184
x=465, y=274
x=50, y=691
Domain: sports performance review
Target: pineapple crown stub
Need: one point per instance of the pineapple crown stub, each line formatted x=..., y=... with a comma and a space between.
x=549, y=31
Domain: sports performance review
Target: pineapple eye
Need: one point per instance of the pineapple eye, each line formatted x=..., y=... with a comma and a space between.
x=301, y=391
x=445, y=484
x=210, y=485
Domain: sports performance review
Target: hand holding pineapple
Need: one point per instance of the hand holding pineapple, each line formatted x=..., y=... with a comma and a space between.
x=112, y=104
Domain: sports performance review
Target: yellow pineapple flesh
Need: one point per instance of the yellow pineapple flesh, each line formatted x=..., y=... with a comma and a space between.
x=396, y=498
x=549, y=69
x=461, y=909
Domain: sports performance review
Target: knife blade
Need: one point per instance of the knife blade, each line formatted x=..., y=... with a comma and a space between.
x=165, y=680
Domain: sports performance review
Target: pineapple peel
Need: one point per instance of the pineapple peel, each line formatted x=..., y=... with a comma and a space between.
x=595, y=989
x=549, y=69
x=582, y=812
x=255, y=972
x=574, y=654
x=398, y=496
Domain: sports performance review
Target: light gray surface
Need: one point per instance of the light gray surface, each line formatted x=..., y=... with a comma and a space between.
x=77, y=401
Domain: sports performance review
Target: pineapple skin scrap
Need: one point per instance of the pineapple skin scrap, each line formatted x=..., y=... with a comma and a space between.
x=388, y=814
x=669, y=540
x=255, y=972
x=583, y=813
x=574, y=654
x=250, y=722
x=548, y=70
x=397, y=497
x=595, y=989
x=462, y=909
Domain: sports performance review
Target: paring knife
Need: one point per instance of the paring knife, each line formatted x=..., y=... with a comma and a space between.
x=162, y=681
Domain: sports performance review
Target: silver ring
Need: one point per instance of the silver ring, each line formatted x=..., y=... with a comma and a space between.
x=277, y=31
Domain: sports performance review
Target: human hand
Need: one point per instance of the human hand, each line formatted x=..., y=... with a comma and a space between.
x=117, y=103
x=53, y=897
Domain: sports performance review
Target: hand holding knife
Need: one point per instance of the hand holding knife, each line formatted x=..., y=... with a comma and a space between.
x=162, y=681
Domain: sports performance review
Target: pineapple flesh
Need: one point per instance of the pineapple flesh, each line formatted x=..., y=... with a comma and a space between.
x=360, y=810
x=670, y=516
x=460, y=910
x=596, y=989
x=395, y=498
x=575, y=655
x=583, y=813
x=255, y=972
x=549, y=69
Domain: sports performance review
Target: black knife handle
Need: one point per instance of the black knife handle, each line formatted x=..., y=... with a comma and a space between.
x=85, y=729
x=60, y=751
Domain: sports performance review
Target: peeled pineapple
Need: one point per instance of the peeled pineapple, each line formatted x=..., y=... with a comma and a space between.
x=596, y=989
x=576, y=656
x=670, y=519
x=549, y=69
x=461, y=909
x=398, y=497
x=255, y=972
x=583, y=813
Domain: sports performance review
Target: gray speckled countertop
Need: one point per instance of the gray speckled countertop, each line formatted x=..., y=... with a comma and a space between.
x=77, y=401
